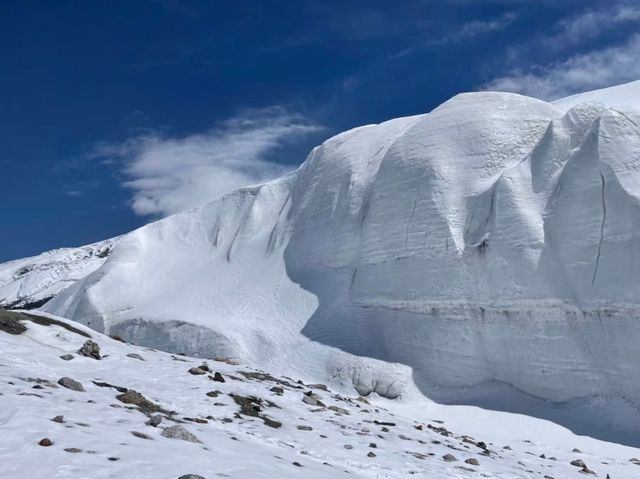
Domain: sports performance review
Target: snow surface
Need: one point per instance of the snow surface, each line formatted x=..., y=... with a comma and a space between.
x=95, y=438
x=626, y=95
x=484, y=253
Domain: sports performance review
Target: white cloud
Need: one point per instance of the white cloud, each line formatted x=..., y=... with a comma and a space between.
x=592, y=23
x=581, y=72
x=170, y=174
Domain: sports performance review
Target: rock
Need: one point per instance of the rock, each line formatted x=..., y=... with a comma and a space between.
x=59, y=419
x=338, y=410
x=90, y=349
x=217, y=377
x=449, y=458
x=576, y=450
x=373, y=445
x=10, y=324
x=278, y=390
x=67, y=357
x=304, y=428
x=384, y=423
x=578, y=463
x=45, y=442
x=214, y=394
x=196, y=371
x=73, y=450
x=137, y=399
x=322, y=387
x=191, y=476
x=179, y=432
x=135, y=356
x=473, y=461
x=311, y=399
x=141, y=435
x=348, y=446
x=542, y=456
x=371, y=454
x=154, y=421
x=297, y=464
x=507, y=448
x=71, y=384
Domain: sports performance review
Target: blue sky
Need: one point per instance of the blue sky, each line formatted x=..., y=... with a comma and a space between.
x=117, y=113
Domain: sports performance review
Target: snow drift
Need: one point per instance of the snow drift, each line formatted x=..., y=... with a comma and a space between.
x=487, y=251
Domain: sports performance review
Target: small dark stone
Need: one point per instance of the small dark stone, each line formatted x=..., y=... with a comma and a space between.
x=67, y=357
x=297, y=464
x=214, y=394
x=205, y=367
x=71, y=384
x=73, y=450
x=218, y=377
x=473, y=461
x=578, y=463
x=154, y=421
x=196, y=371
x=373, y=445
x=113, y=458
x=191, y=476
x=45, y=442
x=277, y=389
x=576, y=450
x=304, y=428
x=59, y=419
x=141, y=435
x=449, y=458
x=371, y=454
x=135, y=356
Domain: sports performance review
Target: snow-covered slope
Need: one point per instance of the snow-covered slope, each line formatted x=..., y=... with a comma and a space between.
x=30, y=282
x=625, y=96
x=486, y=252
x=248, y=423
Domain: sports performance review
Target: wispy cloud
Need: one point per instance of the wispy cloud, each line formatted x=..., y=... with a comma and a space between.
x=591, y=24
x=466, y=31
x=168, y=174
x=581, y=72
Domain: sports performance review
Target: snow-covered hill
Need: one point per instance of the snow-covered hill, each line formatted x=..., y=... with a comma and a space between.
x=138, y=412
x=485, y=252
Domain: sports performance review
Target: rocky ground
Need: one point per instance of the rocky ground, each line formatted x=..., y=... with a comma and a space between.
x=77, y=404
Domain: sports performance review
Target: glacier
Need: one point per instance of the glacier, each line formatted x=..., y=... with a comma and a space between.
x=483, y=253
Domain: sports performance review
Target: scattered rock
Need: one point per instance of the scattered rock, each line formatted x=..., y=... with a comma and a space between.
x=449, y=458
x=312, y=399
x=67, y=357
x=338, y=410
x=304, y=428
x=135, y=356
x=297, y=464
x=383, y=423
x=45, y=442
x=59, y=419
x=154, y=421
x=214, y=394
x=322, y=387
x=373, y=445
x=576, y=450
x=191, y=476
x=371, y=454
x=473, y=461
x=217, y=377
x=278, y=390
x=71, y=384
x=196, y=371
x=578, y=463
x=137, y=399
x=90, y=349
x=179, y=432
x=73, y=450
x=10, y=322
x=141, y=435
x=252, y=406
x=113, y=459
